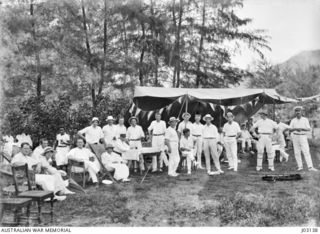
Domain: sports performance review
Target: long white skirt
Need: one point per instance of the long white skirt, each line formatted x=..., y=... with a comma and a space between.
x=61, y=155
x=53, y=183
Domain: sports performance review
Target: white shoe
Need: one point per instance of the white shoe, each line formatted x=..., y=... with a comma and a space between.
x=189, y=173
x=235, y=169
x=299, y=169
x=312, y=169
x=214, y=173
x=126, y=180
x=59, y=198
x=67, y=191
x=200, y=167
x=172, y=175
x=230, y=168
x=221, y=171
x=239, y=161
x=271, y=169
x=66, y=183
x=258, y=169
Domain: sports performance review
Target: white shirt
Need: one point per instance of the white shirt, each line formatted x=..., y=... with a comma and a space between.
x=121, y=146
x=197, y=129
x=37, y=153
x=231, y=129
x=171, y=135
x=187, y=143
x=245, y=134
x=109, y=159
x=109, y=132
x=157, y=128
x=80, y=155
x=135, y=133
x=210, y=131
x=265, y=126
x=62, y=139
x=182, y=125
x=300, y=123
x=92, y=135
x=120, y=130
x=282, y=127
x=19, y=158
x=46, y=165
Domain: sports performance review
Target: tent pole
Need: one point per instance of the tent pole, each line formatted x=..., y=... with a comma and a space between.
x=186, y=103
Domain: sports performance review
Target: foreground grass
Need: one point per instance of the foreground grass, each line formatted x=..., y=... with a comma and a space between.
x=232, y=199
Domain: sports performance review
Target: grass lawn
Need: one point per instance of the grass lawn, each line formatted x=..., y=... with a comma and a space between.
x=233, y=199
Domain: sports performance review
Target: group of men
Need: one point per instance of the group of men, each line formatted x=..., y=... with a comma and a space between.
x=176, y=143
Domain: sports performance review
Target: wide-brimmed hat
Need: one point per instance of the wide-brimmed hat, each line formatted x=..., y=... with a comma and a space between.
x=131, y=118
x=109, y=146
x=172, y=119
x=207, y=116
x=110, y=118
x=185, y=115
x=298, y=108
x=95, y=119
x=263, y=112
x=229, y=114
x=47, y=150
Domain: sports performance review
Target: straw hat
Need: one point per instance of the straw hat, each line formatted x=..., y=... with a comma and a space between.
x=207, y=116
x=172, y=119
x=229, y=114
x=110, y=118
x=131, y=118
x=47, y=150
x=298, y=108
x=95, y=119
x=186, y=115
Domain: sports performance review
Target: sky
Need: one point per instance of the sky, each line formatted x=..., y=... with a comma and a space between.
x=293, y=25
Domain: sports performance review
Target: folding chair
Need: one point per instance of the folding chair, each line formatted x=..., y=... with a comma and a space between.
x=76, y=167
x=21, y=176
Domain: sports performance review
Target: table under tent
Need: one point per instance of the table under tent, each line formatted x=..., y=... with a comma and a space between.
x=175, y=101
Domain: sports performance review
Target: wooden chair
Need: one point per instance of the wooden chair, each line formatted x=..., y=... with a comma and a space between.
x=15, y=204
x=76, y=167
x=22, y=176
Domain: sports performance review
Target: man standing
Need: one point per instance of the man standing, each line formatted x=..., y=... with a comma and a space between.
x=157, y=130
x=121, y=129
x=231, y=131
x=134, y=135
x=109, y=131
x=185, y=124
x=266, y=127
x=210, y=135
x=282, y=127
x=93, y=133
x=62, y=146
x=299, y=128
x=197, y=134
x=172, y=142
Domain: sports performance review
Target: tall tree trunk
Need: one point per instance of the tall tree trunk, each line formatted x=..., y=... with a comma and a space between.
x=178, y=64
x=89, y=59
x=202, y=32
x=155, y=50
x=36, y=50
x=173, y=54
x=103, y=62
x=141, y=67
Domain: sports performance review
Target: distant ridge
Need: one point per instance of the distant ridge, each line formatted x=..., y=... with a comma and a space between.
x=302, y=60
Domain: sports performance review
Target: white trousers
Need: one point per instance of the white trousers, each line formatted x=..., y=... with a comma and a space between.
x=189, y=157
x=265, y=142
x=300, y=144
x=61, y=155
x=244, y=141
x=199, y=147
x=93, y=168
x=53, y=183
x=174, y=158
x=210, y=148
x=231, y=151
x=158, y=142
x=282, y=143
x=137, y=145
x=121, y=171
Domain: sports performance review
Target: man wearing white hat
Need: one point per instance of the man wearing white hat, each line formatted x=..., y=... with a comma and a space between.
x=197, y=134
x=134, y=135
x=266, y=128
x=185, y=124
x=210, y=135
x=93, y=133
x=231, y=131
x=299, y=128
x=157, y=130
x=109, y=131
x=172, y=142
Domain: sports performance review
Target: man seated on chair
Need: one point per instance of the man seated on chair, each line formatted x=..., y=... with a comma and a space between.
x=82, y=154
x=47, y=182
x=114, y=162
x=187, y=147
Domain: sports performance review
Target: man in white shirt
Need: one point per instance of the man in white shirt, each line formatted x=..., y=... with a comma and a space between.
x=113, y=162
x=245, y=138
x=197, y=134
x=266, y=128
x=157, y=130
x=93, y=133
x=210, y=135
x=172, y=142
x=82, y=154
x=62, y=146
x=187, y=147
x=185, y=124
x=299, y=128
x=110, y=131
x=121, y=129
x=40, y=149
x=134, y=135
x=122, y=148
x=231, y=131
x=282, y=127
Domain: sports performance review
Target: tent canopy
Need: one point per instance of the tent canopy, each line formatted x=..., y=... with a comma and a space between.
x=153, y=98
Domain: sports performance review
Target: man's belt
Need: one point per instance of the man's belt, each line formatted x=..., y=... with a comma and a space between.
x=265, y=133
x=196, y=135
x=134, y=139
x=209, y=138
x=162, y=134
x=117, y=152
x=301, y=134
x=232, y=136
x=62, y=146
